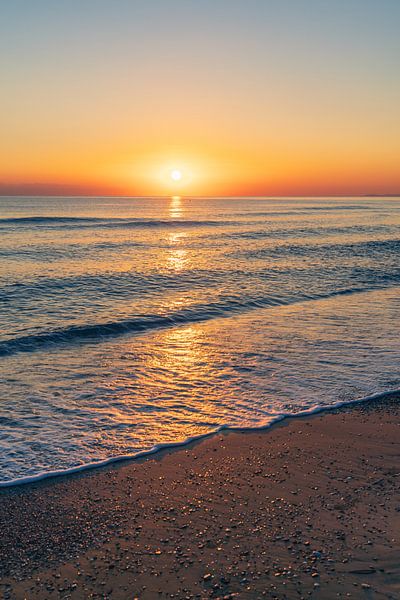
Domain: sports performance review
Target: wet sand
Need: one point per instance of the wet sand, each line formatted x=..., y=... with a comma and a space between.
x=309, y=508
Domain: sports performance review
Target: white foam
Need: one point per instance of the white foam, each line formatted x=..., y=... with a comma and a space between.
x=158, y=447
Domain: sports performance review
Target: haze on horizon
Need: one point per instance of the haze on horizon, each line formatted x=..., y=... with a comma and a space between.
x=273, y=97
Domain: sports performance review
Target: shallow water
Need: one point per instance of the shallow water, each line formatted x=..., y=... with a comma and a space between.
x=130, y=322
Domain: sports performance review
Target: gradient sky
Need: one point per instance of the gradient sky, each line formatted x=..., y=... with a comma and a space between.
x=250, y=97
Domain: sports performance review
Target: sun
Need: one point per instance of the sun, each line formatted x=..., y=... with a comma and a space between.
x=176, y=175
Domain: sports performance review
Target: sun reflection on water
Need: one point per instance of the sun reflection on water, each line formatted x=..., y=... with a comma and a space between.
x=173, y=380
x=177, y=257
x=175, y=207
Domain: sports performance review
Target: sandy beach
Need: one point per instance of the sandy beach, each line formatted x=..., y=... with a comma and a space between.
x=309, y=508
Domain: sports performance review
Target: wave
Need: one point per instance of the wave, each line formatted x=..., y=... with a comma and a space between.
x=195, y=314
x=297, y=232
x=353, y=249
x=110, y=284
x=319, y=408
x=44, y=220
x=52, y=253
x=306, y=209
x=79, y=222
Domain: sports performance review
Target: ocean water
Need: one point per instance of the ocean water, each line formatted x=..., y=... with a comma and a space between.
x=128, y=322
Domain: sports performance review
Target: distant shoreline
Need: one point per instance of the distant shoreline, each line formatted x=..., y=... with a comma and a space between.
x=190, y=197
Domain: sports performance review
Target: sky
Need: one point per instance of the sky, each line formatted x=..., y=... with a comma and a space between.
x=249, y=97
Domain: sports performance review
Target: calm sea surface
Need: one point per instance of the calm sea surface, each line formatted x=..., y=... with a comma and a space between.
x=131, y=322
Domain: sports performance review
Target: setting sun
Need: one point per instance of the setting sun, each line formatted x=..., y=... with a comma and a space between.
x=176, y=175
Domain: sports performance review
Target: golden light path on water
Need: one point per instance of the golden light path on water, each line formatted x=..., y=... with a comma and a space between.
x=176, y=207
x=184, y=358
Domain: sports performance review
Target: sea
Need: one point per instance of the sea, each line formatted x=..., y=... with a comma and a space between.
x=128, y=324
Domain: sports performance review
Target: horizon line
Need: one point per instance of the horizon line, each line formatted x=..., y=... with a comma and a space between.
x=153, y=196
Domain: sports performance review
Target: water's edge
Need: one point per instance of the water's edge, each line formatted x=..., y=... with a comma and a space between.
x=22, y=481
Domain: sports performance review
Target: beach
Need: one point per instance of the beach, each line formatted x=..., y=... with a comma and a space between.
x=199, y=291
x=307, y=508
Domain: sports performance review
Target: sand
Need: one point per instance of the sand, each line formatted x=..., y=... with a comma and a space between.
x=309, y=508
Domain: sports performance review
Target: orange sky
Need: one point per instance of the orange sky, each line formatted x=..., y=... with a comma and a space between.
x=255, y=98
